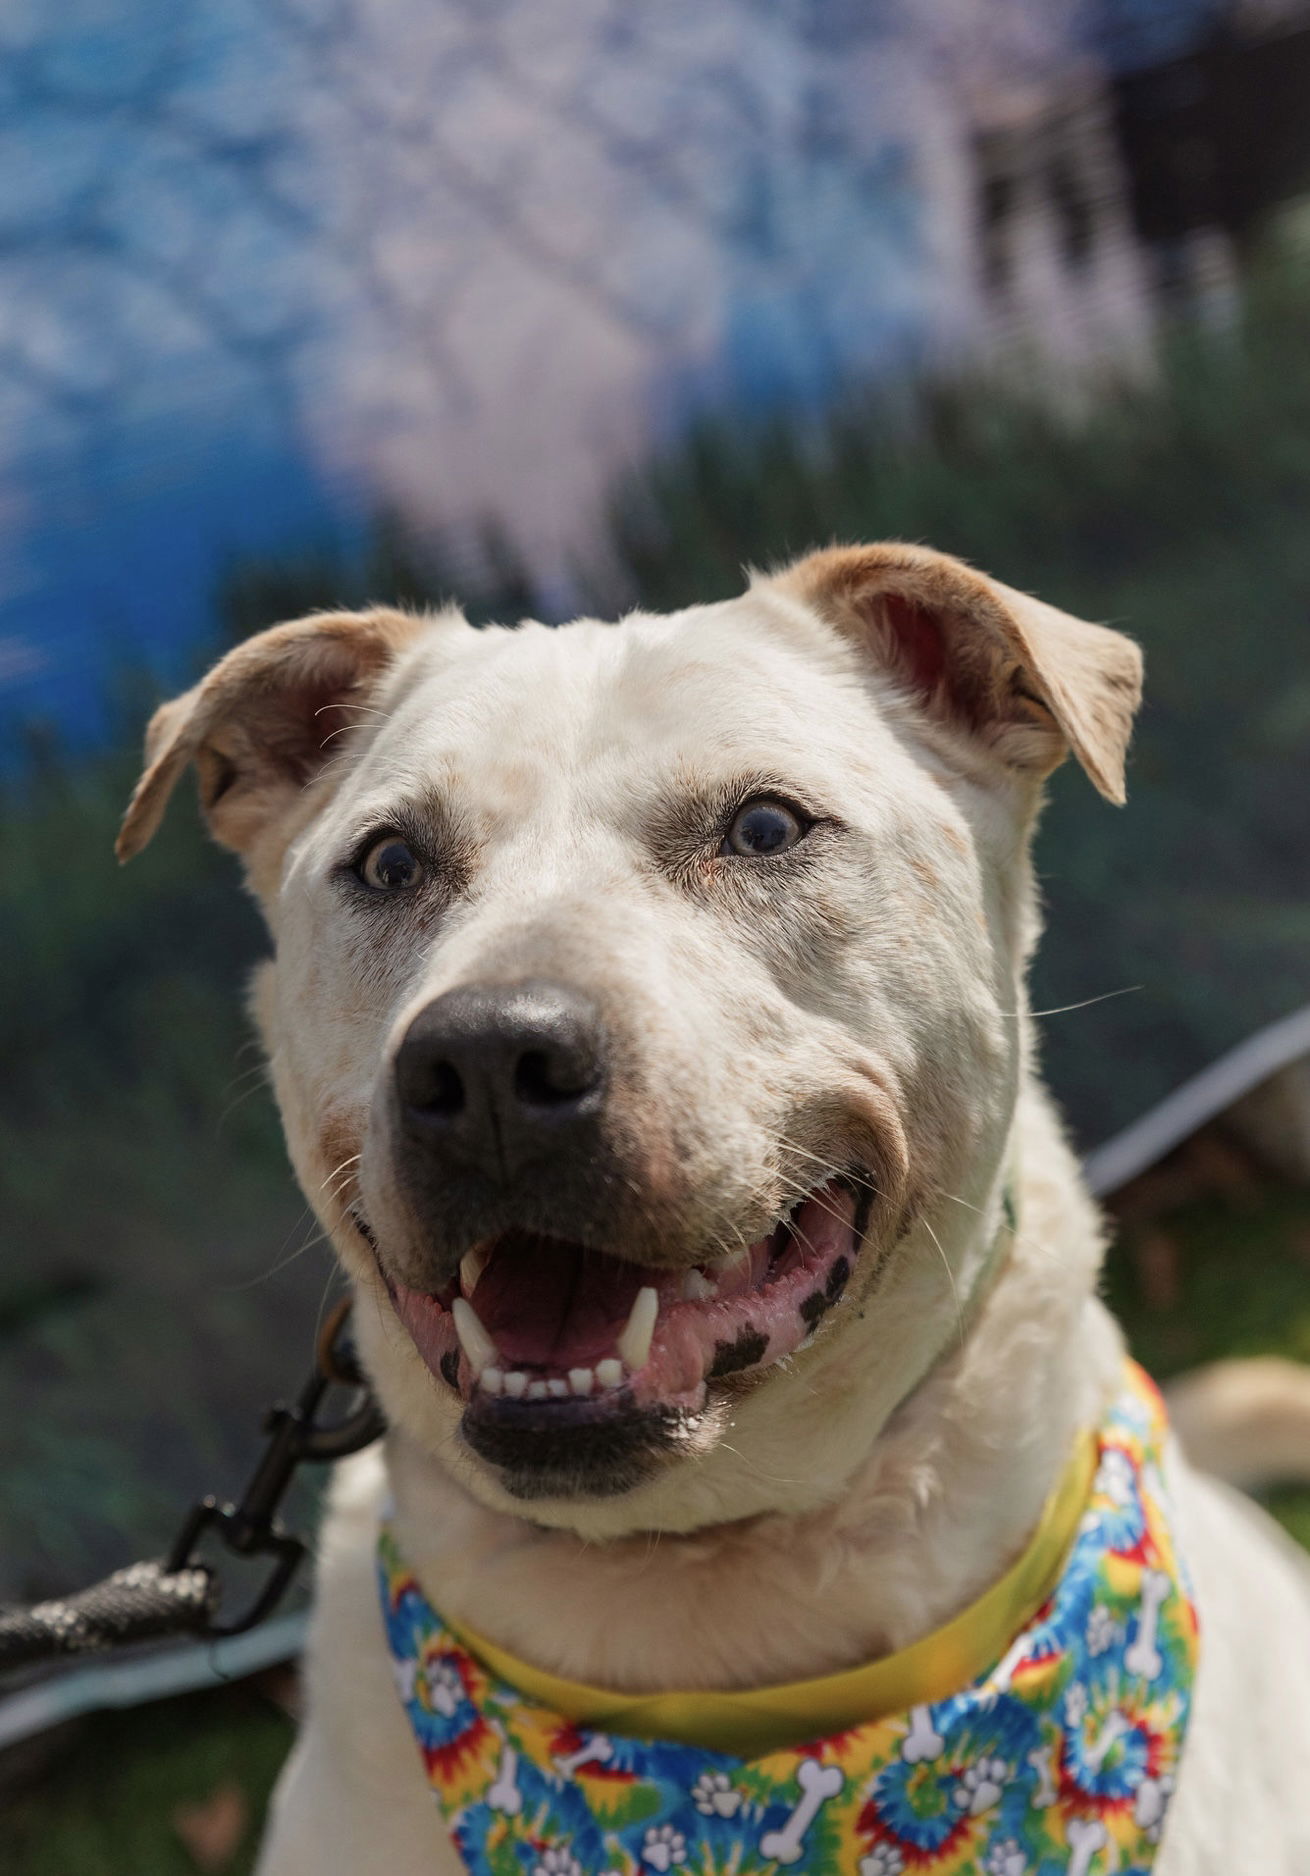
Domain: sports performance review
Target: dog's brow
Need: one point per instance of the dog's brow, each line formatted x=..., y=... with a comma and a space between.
x=429, y=819
x=694, y=806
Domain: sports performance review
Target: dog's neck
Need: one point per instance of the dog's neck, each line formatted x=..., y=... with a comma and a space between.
x=943, y=1501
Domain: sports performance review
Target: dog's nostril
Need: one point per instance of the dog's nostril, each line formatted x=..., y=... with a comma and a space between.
x=489, y=1074
x=439, y=1090
x=543, y=1078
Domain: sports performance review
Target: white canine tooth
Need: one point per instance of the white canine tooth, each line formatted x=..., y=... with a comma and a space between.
x=609, y=1373
x=634, y=1344
x=473, y=1338
x=697, y=1287
x=516, y=1384
x=557, y=1388
x=581, y=1380
x=471, y=1266
x=537, y=1390
x=492, y=1380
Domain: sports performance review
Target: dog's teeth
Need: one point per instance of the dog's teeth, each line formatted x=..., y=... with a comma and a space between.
x=516, y=1384
x=581, y=1380
x=492, y=1380
x=538, y=1390
x=471, y=1266
x=473, y=1338
x=697, y=1287
x=634, y=1344
x=609, y=1373
x=720, y=1266
x=557, y=1389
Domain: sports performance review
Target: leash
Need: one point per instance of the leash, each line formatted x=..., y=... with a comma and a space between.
x=181, y=1594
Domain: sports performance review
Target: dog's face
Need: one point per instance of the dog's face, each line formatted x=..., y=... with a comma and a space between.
x=638, y=988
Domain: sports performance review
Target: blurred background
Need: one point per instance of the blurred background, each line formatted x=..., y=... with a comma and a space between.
x=557, y=304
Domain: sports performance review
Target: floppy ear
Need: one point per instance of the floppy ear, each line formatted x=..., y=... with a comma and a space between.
x=259, y=726
x=1028, y=680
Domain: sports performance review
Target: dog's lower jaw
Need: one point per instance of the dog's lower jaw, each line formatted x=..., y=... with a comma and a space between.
x=619, y=1453
x=806, y=1572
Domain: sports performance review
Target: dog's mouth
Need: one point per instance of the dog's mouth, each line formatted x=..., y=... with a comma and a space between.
x=577, y=1335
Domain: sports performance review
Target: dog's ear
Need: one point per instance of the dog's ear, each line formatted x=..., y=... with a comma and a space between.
x=1031, y=682
x=261, y=724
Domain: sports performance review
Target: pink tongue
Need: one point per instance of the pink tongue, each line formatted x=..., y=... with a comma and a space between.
x=549, y=1304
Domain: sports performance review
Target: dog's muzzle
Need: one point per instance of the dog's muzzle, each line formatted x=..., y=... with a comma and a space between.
x=582, y=1352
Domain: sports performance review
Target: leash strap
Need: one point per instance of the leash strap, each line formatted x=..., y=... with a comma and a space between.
x=182, y=1594
x=138, y=1604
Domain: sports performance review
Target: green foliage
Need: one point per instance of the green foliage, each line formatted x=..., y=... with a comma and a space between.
x=1244, y=1277
x=146, y=1189
x=109, y=965
x=488, y=580
x=1244, y=1282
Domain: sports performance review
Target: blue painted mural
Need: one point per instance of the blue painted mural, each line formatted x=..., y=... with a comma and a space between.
x=268, y=267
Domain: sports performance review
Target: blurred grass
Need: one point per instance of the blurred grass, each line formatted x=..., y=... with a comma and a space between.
x=108, y=1805
x=147, y=1200
x=1244, y=1276
x=1243, y=1272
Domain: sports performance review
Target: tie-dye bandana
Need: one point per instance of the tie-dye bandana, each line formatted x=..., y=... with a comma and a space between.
x=1059, y=1761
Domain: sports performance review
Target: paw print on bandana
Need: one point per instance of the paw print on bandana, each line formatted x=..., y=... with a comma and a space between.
x=445, y=1688
x=1103, y=1631
x=1115, y=1478
x=714, y=1796
x=664, y=1847
x=1075, y=1705
x=883, y=1860
x=981, y=1785
x=1006, y=1859
x=557, y=1863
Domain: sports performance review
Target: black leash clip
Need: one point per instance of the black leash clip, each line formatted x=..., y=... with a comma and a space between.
x=250, y=1527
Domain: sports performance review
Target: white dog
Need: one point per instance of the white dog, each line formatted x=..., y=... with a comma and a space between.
x=648, y=1024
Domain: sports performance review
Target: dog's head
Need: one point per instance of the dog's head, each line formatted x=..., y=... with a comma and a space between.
x=640, y=990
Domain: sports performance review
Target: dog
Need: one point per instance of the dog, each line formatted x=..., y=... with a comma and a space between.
x=647, y=1019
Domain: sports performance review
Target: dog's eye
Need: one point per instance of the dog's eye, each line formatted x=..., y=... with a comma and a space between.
x=762, y=828
x=389, y=865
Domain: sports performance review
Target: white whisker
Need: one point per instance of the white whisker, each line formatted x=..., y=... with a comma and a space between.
x=347, y=703
x=810, y=1194
x=1125, y=991
x=351, y=1159
x=1020, y=1237
x=316, y=1237
x=769, y=1478
x=959, y=1313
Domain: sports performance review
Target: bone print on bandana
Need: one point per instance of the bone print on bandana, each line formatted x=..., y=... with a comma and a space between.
x=1061, y=1757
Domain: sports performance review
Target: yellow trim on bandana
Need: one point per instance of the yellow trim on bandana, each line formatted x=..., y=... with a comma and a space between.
x=763, y=1719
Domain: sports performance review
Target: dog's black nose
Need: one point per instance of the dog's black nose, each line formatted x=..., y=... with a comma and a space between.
x=497, y=1074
